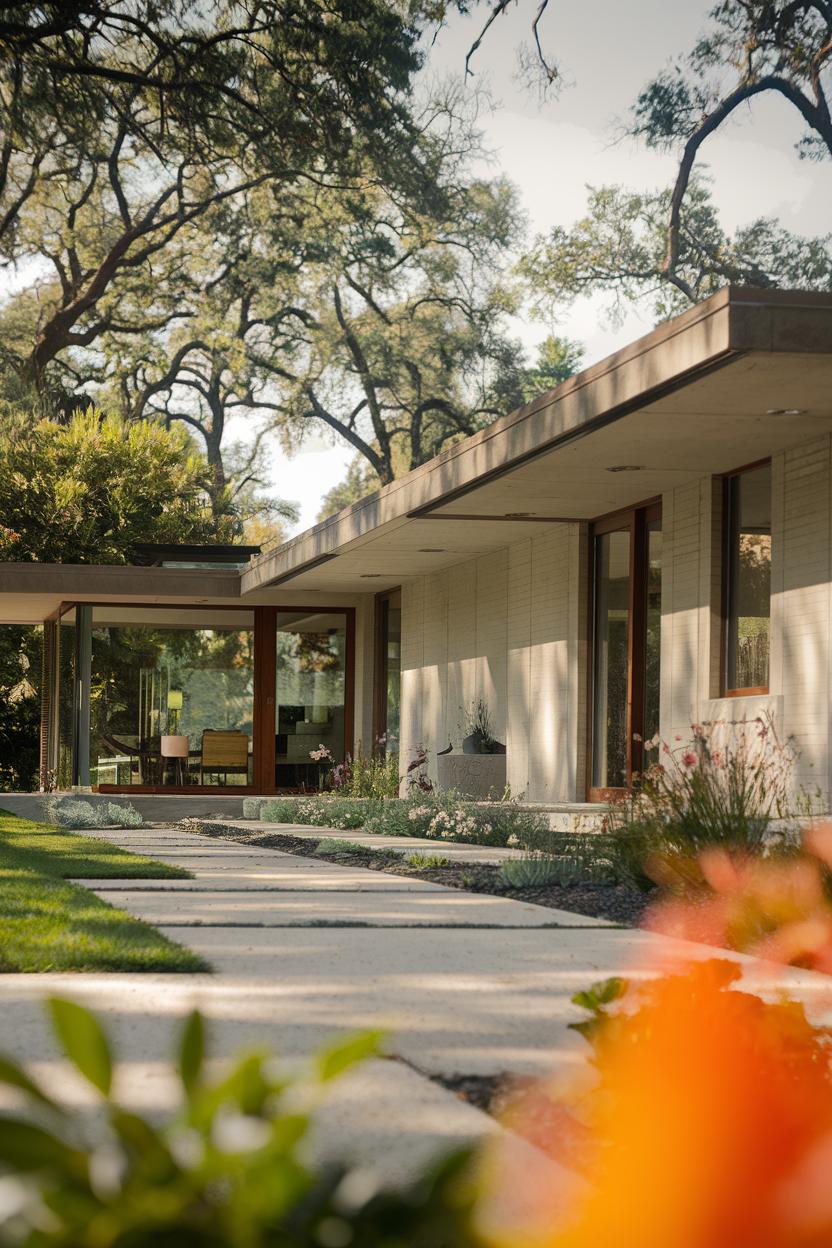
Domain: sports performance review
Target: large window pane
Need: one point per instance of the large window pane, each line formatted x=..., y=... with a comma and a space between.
x=171, y=696
x=310, y=695
x=66, y=680
x=611, y=660
x=652, y=639
x=390, y=641
x=748, y=579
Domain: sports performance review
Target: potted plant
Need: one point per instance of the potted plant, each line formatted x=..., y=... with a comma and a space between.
x=478, y=735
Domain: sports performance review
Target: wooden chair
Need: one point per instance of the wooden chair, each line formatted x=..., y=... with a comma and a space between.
x=144, y=757
x=225, y=752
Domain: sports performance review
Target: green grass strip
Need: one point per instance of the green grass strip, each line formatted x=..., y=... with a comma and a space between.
x=49, y=924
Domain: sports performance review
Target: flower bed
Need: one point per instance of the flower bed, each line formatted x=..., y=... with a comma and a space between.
x=438, y=816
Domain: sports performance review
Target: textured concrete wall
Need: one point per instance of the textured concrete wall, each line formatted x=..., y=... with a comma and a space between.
x=507, y=628
x=510, y=628
x=801, y=608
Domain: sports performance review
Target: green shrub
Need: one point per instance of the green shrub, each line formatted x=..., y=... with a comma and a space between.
x=321, y=811
x=226, y=1171
x=73, y=812
x=531, y=871
x=124, y=816
x=582, y=860
x=339, y=847
x=425, y=861
x=371, y=775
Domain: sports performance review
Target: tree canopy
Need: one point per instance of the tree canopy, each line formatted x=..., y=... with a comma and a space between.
x=89, y=490
x=669, y=245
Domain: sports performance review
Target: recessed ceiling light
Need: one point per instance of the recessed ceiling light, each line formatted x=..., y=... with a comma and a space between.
x=785, y=411
x=431, y=550
x=626, y=468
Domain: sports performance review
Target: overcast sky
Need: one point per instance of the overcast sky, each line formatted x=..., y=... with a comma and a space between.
x=606, y=51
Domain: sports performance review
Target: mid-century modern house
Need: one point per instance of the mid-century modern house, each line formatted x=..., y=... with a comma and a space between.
x=647, y=545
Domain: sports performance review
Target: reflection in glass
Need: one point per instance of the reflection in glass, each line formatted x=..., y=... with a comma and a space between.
x=652, y=640
x=171, y=697
x=749, y=578
x=310, y=695
x=391, y=672
x=611, y=659
x=66, y=679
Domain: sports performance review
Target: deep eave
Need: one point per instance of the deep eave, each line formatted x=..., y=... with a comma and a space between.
x=519, y=474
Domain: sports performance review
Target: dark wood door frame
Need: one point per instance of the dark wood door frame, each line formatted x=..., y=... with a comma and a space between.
x=635, y=520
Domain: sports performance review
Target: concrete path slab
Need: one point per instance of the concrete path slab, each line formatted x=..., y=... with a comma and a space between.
x=482, y=999
x=264, y=879
x=403, y=908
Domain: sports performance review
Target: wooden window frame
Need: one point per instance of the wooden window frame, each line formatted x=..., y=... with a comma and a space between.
x=725, y=593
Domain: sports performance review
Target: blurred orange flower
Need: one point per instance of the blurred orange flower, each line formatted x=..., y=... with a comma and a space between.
x=712, y=1123
x=774, y=908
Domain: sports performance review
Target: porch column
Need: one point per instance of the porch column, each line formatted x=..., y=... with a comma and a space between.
x=81, y=698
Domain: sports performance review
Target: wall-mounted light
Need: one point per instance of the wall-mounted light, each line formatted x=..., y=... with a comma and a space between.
x=626, y=468
x=431, y=550
x=785, y=411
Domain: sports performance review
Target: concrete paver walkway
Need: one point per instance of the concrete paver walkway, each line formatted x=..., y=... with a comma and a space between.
x=301, y=949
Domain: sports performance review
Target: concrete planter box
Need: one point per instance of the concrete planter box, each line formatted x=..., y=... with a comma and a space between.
x=474, y=775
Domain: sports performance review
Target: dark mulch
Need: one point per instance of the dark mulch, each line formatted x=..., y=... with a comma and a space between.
x=615, y=902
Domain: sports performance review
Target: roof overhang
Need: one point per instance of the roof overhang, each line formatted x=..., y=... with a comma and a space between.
x=731, y=381
x=32, y=592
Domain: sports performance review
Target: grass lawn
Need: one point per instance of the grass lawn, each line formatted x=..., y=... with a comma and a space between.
x=48, y=924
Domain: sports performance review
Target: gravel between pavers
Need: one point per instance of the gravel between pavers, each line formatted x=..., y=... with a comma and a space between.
x=614, y=902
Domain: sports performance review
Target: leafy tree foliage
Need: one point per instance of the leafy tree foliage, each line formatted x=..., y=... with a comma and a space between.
x=377, y=315
x=618, y=249
x=557, y=360
x=669, y=245
x=750, y=48
x=127, y=122
x=20, y=657
x=87, y=491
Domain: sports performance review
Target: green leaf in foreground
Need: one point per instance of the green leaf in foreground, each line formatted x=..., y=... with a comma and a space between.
x=13, y=1076
x=338, y=1057
x=84, y=1042
x=191, y=1050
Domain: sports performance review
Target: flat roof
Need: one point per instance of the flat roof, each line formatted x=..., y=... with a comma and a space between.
x=735, y=379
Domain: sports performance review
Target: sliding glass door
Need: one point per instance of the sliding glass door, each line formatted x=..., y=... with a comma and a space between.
x=626, y=647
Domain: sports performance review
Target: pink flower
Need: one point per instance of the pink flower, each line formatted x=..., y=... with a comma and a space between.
x=689, y=758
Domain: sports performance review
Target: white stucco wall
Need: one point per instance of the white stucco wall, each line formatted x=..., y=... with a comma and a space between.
x=507, y=628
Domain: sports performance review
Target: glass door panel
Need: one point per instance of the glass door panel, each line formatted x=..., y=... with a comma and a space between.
x=652, y=642
x=611, y=667
x=310, y=701
x=626, y=654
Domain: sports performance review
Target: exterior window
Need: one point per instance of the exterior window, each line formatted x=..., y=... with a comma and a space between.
x=155, y=697
x=748, y=580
